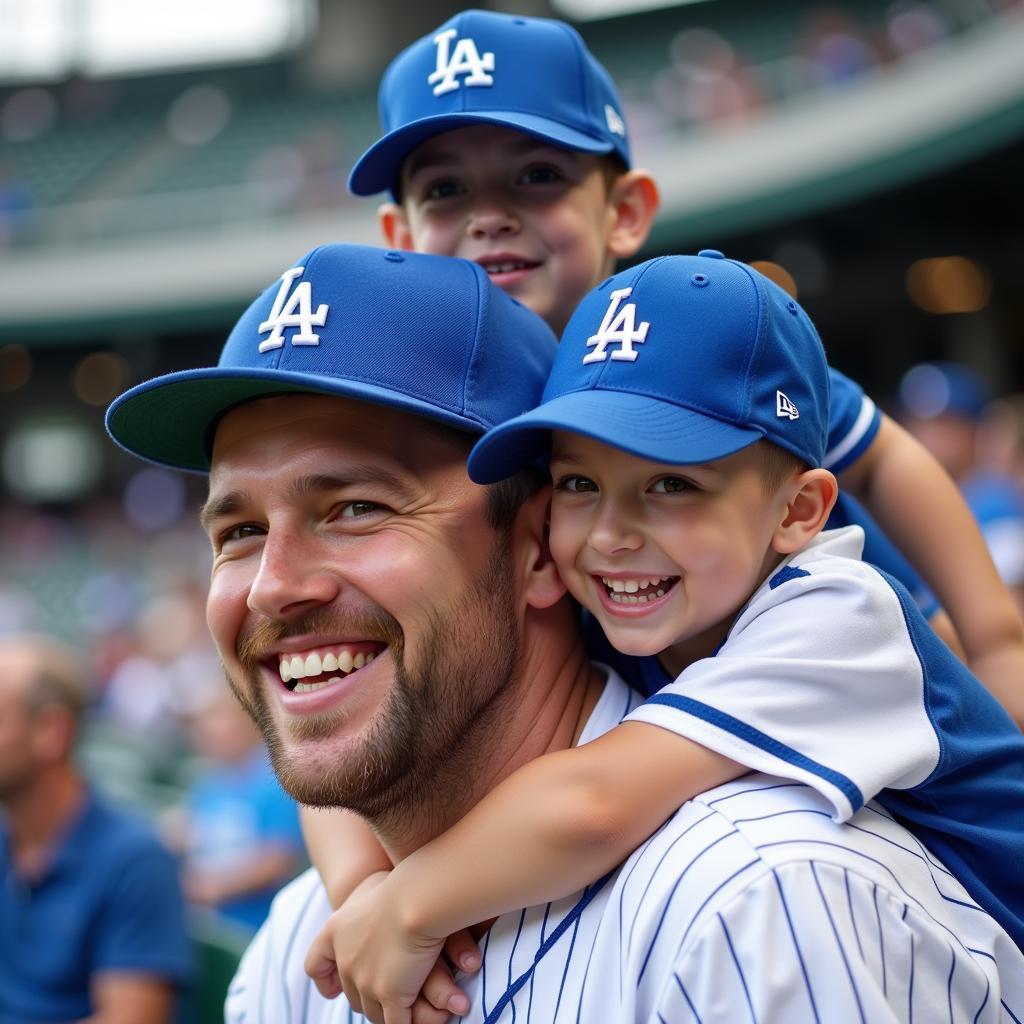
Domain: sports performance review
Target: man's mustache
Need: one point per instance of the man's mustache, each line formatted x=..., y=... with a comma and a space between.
x=258, y=641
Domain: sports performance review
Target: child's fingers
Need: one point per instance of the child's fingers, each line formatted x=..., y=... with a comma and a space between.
x=424, y=1013
x=441, y=992
x=463, y=951
x=321, y=967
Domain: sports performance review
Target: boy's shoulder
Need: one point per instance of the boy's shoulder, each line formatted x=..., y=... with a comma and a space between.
x=827, y=571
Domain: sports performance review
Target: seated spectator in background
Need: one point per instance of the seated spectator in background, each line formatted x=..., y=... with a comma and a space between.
x=91, y=912
x=239, y=832
x=943, y=405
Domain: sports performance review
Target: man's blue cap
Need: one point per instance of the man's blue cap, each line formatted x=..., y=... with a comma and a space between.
x=533, y=75
x=426, y=334
x=943, y=388
x=680, y=360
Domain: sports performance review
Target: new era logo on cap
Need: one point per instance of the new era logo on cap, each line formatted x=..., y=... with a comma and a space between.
x=785, y=408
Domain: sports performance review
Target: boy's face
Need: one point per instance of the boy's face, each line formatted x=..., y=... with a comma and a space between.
x=664, y=556
x=536, y=216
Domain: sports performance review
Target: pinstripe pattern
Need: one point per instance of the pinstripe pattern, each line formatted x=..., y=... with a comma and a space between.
x=750, y=904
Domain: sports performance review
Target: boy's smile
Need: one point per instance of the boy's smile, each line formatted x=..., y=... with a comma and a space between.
x=537, y=217
x=663, y=556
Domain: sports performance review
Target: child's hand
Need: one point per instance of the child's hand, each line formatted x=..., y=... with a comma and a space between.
x=366, y=951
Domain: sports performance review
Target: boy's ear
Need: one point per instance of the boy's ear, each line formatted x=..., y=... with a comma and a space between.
x=543, y=585
x=809, y=498
x=634, y=199
x=394, y=226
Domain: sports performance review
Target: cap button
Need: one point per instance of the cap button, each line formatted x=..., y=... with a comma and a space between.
x=712, y=254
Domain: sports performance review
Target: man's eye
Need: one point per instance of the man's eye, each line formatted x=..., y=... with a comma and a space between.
x=241, y=532
x=576, y=484
x=359, y=509
x=671, y=485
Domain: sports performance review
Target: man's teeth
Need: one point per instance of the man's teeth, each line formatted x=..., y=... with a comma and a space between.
x=627, y=591
x=298, y=667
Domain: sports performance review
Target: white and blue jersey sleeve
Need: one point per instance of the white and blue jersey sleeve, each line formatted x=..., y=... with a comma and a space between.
x=853, y=422
x=830, y=676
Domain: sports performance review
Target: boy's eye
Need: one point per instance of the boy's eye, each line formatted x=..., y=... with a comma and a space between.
x=443, y=189
x=542, y=175
x=671, y=485
x=576, y=484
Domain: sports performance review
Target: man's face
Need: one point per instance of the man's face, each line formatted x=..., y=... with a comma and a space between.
x=361, y=603
x=537, y=217
x=663, y=556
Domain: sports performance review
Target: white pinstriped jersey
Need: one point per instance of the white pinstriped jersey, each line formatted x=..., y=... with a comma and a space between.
x=750, y=904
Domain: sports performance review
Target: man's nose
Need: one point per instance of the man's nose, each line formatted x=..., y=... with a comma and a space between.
x=293, y=578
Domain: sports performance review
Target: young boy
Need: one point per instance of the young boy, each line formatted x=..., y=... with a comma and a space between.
x=684, y=423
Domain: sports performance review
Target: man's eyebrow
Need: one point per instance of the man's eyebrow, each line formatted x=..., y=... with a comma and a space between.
x=302, y=487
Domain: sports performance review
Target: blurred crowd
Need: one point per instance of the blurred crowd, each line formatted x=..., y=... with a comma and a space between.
x=700, y=78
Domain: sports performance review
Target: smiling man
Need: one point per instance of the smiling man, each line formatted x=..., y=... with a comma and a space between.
x=401, y=637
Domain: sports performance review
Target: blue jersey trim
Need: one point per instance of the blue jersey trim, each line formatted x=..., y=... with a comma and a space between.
x=749, y=734
x=785, y=574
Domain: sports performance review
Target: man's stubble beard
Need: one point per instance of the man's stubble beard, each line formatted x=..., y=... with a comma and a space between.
x=435, y=726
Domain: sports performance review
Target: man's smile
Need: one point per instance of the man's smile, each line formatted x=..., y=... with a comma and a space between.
x=313, y=669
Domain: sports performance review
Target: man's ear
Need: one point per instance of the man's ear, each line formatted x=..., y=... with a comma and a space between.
x=634, y=200
x=394, y=226
x=809, y=498
x=543, y=586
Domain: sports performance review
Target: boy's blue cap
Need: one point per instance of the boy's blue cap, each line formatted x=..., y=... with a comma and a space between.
x=943, y=389
x=680, y=360
x=426, y=334
x=533, y=75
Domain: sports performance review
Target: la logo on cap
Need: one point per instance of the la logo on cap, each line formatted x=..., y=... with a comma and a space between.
x=617, y=328
x=295, y=310
x=466, y=60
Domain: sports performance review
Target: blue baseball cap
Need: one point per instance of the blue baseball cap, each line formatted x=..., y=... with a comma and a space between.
x=533, y=75
x=426, y=334
x=943, y=388
x=680, y=360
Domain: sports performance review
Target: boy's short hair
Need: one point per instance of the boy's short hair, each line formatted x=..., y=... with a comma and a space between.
x=532, y=75
x=679, y=360
x=777, y=465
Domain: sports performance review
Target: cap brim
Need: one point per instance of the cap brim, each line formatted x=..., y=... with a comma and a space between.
x=648, y=427
x=171, y=420
x=377, y=169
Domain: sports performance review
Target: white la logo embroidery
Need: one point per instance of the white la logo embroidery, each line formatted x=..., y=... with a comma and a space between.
x=784, y=408
x=464, y=61
x=617, y=328
x=297, y=312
